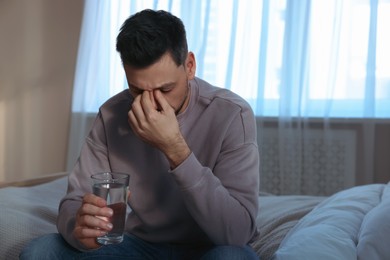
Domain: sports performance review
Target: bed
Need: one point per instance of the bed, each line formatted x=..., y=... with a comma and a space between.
x=351, y=224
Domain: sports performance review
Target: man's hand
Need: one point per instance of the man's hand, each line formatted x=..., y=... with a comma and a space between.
x=91, y=221
x=154, y=121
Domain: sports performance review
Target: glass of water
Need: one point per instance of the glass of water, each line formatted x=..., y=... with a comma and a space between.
x=113, y=187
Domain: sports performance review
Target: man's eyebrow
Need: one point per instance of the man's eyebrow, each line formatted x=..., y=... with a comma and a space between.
x=168, y=84
x=134, y=87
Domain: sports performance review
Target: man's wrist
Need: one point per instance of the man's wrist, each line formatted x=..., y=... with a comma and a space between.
x=177, y=153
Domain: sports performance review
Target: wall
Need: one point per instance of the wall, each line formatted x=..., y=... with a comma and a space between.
x=38, y=50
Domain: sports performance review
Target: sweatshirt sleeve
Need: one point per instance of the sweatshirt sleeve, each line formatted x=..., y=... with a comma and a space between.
x=93, y=158
x=224, y=200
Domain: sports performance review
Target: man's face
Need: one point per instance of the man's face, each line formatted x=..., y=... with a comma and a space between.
x=166, y=76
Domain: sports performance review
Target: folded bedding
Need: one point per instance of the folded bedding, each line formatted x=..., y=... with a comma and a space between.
x=276, y=216
x=351, y=224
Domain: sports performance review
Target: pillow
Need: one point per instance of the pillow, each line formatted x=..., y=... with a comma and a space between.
x=330, y=230
x=276, y=216
x=375, y=231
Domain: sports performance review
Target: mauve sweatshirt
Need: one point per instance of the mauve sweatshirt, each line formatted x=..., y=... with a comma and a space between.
x=210, y=198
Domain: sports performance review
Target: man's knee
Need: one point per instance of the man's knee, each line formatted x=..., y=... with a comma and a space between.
x=45, y=247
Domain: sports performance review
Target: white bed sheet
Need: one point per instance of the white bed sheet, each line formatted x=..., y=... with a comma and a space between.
x=351, y=224
x=27, y=212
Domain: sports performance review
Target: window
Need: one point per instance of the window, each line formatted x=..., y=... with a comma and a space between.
x=298, y=58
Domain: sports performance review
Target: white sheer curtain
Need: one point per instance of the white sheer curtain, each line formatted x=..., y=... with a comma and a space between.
x=291, y=60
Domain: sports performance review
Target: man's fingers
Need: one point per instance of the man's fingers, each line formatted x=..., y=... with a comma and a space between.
x=89, y=209
x=85, y=232
x=133, y=120
x=148, y=103
x=95, y=222
x=90, y=198
x=93, y=219
x=87, y=236
x=153, y=102
x=162, y=102
x=137, y=109
x=93, y=206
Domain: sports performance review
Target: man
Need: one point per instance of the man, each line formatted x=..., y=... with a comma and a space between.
x=190, y=150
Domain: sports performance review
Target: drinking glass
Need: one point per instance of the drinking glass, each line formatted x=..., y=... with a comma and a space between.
x=113, y=187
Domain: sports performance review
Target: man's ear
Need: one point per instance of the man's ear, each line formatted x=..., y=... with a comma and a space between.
x=190, y=65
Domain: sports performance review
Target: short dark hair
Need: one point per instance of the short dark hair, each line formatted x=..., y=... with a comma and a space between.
x=147, y=35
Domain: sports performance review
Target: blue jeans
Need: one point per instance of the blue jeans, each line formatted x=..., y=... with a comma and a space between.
x=53, y=246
